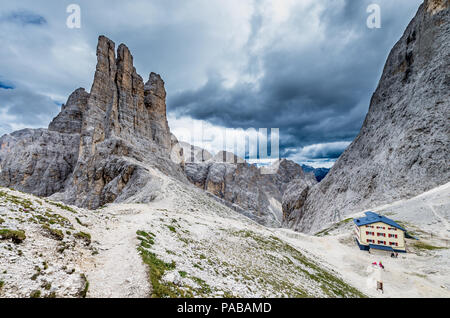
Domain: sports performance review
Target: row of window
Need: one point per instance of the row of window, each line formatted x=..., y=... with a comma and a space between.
x=381, y=234
x=382, y=242
x=381, y=227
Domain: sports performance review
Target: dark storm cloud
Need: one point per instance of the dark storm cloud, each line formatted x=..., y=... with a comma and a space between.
x=6, y=85
x=26, y=108
x=312, y=80
x=315, y=94
x=24, y=17
x=323, y=151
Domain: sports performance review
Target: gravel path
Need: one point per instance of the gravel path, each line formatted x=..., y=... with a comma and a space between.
x=118, y=270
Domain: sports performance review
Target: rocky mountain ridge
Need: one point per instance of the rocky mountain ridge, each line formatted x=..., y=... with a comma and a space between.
x=243, y=186
x=403, y=147
x=98, y=148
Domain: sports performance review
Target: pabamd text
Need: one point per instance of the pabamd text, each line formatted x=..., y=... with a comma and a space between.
x=225, y=307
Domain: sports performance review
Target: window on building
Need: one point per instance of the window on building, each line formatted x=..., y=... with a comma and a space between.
x=382, y=242
x=381, y=234
x=393, y=235
x=393, y=243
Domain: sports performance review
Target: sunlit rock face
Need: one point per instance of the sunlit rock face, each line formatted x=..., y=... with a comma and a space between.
x=403, y=147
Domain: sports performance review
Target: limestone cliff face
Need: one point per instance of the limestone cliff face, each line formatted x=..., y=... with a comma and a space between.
x=70, y=118
x=124, y=130
x=240, y=185
x=99, y=148
x=37, y=161
x=403, y=147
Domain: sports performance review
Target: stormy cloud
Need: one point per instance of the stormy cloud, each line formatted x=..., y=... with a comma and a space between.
x=307, y=67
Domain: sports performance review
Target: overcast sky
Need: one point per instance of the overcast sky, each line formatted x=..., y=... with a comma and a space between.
x=307, y=67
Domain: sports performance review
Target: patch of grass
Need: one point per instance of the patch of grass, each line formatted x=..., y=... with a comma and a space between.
x=424, y=246
x=146, y=237
x=2, y=283
x=328, y=282
x=54, y=233
x=79, y=222
x=38, y=272
x=204, y=287
x=25, y=204
x=157, y=269
x=2, y=221
x=171, y=228
x=83, y=292
x=62, y=206
x=198, y=265
x=327, y=231
x=182, y=274
x=35, y=294
x=17, y=236
x=55, y=218
x=83, y=236
x=62, y=247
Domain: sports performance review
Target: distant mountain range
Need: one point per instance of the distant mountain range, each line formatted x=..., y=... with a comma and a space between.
x=319, y=173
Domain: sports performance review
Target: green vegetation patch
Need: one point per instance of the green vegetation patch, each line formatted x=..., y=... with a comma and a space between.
x=83, y=292
x=83, y=236
x=25, y=204
x=79, y=222
x=296, y=262
x=17, y=236
x=157, y=267
x=171, y=228
x=424, y=246
x=327, y=231
x=54, y=233
x=183, y=274
x=61, y=206
x=35, y=294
